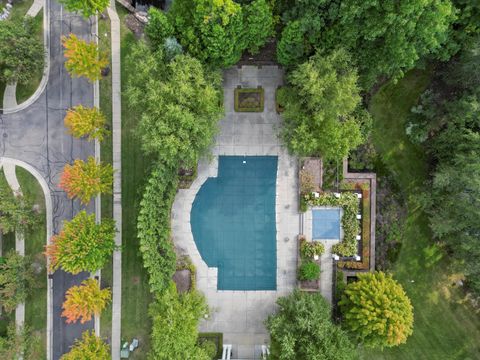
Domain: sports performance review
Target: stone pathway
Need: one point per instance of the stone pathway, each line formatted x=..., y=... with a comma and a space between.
x=117, y=181
x=11, y=177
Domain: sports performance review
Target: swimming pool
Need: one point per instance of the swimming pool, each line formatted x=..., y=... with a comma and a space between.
x=233, y=222
x=326, y=224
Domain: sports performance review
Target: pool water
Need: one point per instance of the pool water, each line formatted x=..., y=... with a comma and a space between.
x=326, y=224
x=233, y=222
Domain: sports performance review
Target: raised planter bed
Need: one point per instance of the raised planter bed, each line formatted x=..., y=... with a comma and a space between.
x=306, y=285
x=249, y=100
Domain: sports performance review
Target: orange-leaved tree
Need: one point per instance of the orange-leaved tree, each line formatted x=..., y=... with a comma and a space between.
x=84, y=301
x=85, y=179
x=89, y=347
x=83, y=58
x=82, y=245
x=82, y=121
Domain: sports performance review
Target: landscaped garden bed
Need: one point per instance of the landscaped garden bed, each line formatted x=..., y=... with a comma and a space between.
x=186, y=177
x=308, y=268
x=348, y=201
x=213, y=339
x=249, y=100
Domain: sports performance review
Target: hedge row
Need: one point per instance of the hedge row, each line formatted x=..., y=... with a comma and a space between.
x=153, y=227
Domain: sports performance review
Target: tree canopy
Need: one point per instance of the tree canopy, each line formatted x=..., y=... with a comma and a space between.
x=82, y=245
x=175, y=320
x=322, y=115
x=86, y=7
x=22, y=55
x=88, y=347
x=302, y=329
x=86, y=122
x=385, y=37
x=16, y=280
x=180, y=104
x=377, y=310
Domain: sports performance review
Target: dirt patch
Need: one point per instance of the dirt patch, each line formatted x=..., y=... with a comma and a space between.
x=183, y=280
x=134, y=25
x=136, y=280
x=266, y=56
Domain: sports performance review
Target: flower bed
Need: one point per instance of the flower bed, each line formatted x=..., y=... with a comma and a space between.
x=364, y=264
x=349, y=202
x=308, y=269
x=249, y=100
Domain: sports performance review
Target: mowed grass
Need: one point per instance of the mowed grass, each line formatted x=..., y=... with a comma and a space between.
x=135, y=289
x=35, y=240
x=445, y=326
x=106, y=157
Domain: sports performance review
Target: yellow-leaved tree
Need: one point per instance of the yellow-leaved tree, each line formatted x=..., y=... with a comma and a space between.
x=377, y=310
x=86, y=122
x=89, y=347
x=84, y=301
x=83, y=58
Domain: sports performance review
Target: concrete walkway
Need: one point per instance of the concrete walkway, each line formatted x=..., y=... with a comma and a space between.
x=35, y=8
x=117, y=180
x=10, y=96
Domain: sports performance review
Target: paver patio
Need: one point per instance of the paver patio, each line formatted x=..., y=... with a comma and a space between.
x=240, y=315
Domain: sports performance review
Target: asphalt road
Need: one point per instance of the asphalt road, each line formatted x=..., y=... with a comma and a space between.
x=37, y=136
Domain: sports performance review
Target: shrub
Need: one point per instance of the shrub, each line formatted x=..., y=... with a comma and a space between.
x=82, y=245
x=90, y=122
x=84, y=301
x=309, y=270
x=84, y=180
x=153, y=227
x=308, y=249
x=307, y=183
x=158, y=28
x=377, y=310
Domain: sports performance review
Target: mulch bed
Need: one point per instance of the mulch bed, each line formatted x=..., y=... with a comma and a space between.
x=266, y=56
x=183, y=280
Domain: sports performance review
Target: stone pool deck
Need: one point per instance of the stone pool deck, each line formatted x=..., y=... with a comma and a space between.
x=240, y=315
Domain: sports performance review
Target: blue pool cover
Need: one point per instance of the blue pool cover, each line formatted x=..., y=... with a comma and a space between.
x=233, y=222
x=326, y=224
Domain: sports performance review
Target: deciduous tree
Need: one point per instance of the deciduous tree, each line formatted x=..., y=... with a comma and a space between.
x=83, y=58
x=322, y=115
x=84, y=301
x=89, y=347
x=86, y=7
x=302, y=329
x=85, y=179
x=180, y=105
x=22, y=56
x=175, y=321
x=377, y=310
x=86, y=122
x=16, y=280
x=82, y=245
x=257, y=25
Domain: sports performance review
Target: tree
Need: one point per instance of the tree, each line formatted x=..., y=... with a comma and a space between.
x=291, y=47
x=86, y=7
x=175, y=322
x=322, y=115
x=211, y=31
x=82, y=245
x=180, y=105
x=84, y=301
x=16, y=211
x=83, y=180
x=20, y=341
x=22, y=56
x=158, y=28
x=83, y=58
x=377, y=310
x=90, y=122
x=385, y=37
x=302, y=329
x=257, y=24
x=16, y=280
x=89, y=347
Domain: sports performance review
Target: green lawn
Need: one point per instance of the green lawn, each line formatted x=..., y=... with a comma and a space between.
x=106, y=156
x=444, y=327
x=135, y=289
x=36, y=304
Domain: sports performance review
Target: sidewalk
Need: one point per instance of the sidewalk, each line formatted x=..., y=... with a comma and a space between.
x=117, y=181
